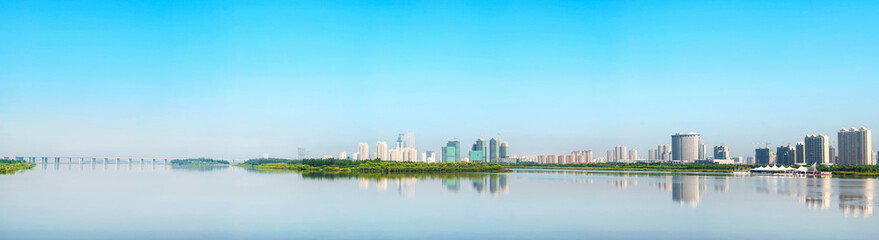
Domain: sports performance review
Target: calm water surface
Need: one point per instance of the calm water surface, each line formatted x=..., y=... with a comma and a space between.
x=158, y=202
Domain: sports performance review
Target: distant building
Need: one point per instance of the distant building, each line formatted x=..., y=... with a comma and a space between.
x=478, y=151
x=633, y=155
x=493, y=147
x=786, y=155
x=609, y=157
x=832, y=154
x=452, y=152
x=620, y=154
x=855, y=147
x=651, y=154
x=702, y=151
x=801, y=153
x=505, y=150
x=817, y=149
x=663, y=152
x=721, y=152
x=343, y=155
x=364, y=151
x=685, y=147
x=381, y=151
x=764, y=155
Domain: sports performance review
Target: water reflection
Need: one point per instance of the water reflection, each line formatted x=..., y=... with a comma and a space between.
x=856, y=198
x=686, y=190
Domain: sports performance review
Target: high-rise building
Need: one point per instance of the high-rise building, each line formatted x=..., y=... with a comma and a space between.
x=663, y=152
x=477, y=152
x=721, y=152
x=832, y=155
x=764, y=155
x=685, y=147
x=430, y=156
x=452, y=151
x=620, y=154
x=817, y=149
x=381, y=151
x=505, y=150
x=410, y=155
x=401, y=143
x=610, y=156
x=855, y=147
x=301, y=153
x=702, y=151
x=493, y=147
x=651, y=154
x=364, y=151
x=786, y=155
x=343, y=155
x=801, y=153
x=633, y=155
x=356, y=156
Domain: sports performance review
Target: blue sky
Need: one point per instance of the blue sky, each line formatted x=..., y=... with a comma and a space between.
x=235, y=79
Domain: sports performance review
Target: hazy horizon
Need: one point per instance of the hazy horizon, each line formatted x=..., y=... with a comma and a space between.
x=237, y=79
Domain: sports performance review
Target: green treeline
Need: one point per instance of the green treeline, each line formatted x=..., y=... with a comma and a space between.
x=12, y=166
x=198, y=162
x=371, y=166
x=845, y=170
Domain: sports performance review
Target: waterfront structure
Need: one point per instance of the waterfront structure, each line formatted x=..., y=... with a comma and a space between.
x=764, y=155
x=505, y=150
x=493, y=146
x=381, y=150
x=786, y=155
x=685, y=147
x=801, y=153
x=364, y=151
x=452, y=152
x=633, y=155
x=817, y=149
x=855, y=147
x=721, y=152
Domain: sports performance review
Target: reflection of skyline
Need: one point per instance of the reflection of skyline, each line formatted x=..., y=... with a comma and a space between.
x=818, y=193
x=687, y=190
x=856, y=198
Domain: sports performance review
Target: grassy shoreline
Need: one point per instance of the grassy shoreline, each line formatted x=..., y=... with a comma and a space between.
x=13, y=166
x=369, y=166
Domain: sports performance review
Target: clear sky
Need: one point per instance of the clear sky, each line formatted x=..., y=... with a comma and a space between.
x=236, y=79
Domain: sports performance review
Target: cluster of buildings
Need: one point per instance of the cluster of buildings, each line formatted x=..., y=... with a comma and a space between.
x=497, y=151
x=855, y=148
x=404, y=151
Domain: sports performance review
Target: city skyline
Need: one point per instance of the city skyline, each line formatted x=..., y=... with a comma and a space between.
x=89, y=79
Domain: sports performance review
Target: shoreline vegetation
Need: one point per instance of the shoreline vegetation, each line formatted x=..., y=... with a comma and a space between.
x=198, y=162
x=844, y=170
x=13, y=166
x=337, y=166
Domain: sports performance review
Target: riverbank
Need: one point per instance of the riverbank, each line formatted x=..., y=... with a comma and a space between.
x=370, y=166
x=852, y=171
x=12, y=166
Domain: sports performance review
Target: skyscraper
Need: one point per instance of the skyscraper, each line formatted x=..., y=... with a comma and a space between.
x=633, y=155
x=364, y=151
x=493, y=146
x=817, y=149
x=663, y=152
x=702, y=151
x=685, y=147
x=452, y=152
x=400, y=142
x=855, y=147
x=343, y=155
x=651, y=154
x=620, y=154
x=477, y=152
x=801, y=153
x=721, y=152
x=505, y=150
x=610, y=156
x=764, y=155
x=786, y=155
x=832, y=155
x=381, y=151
